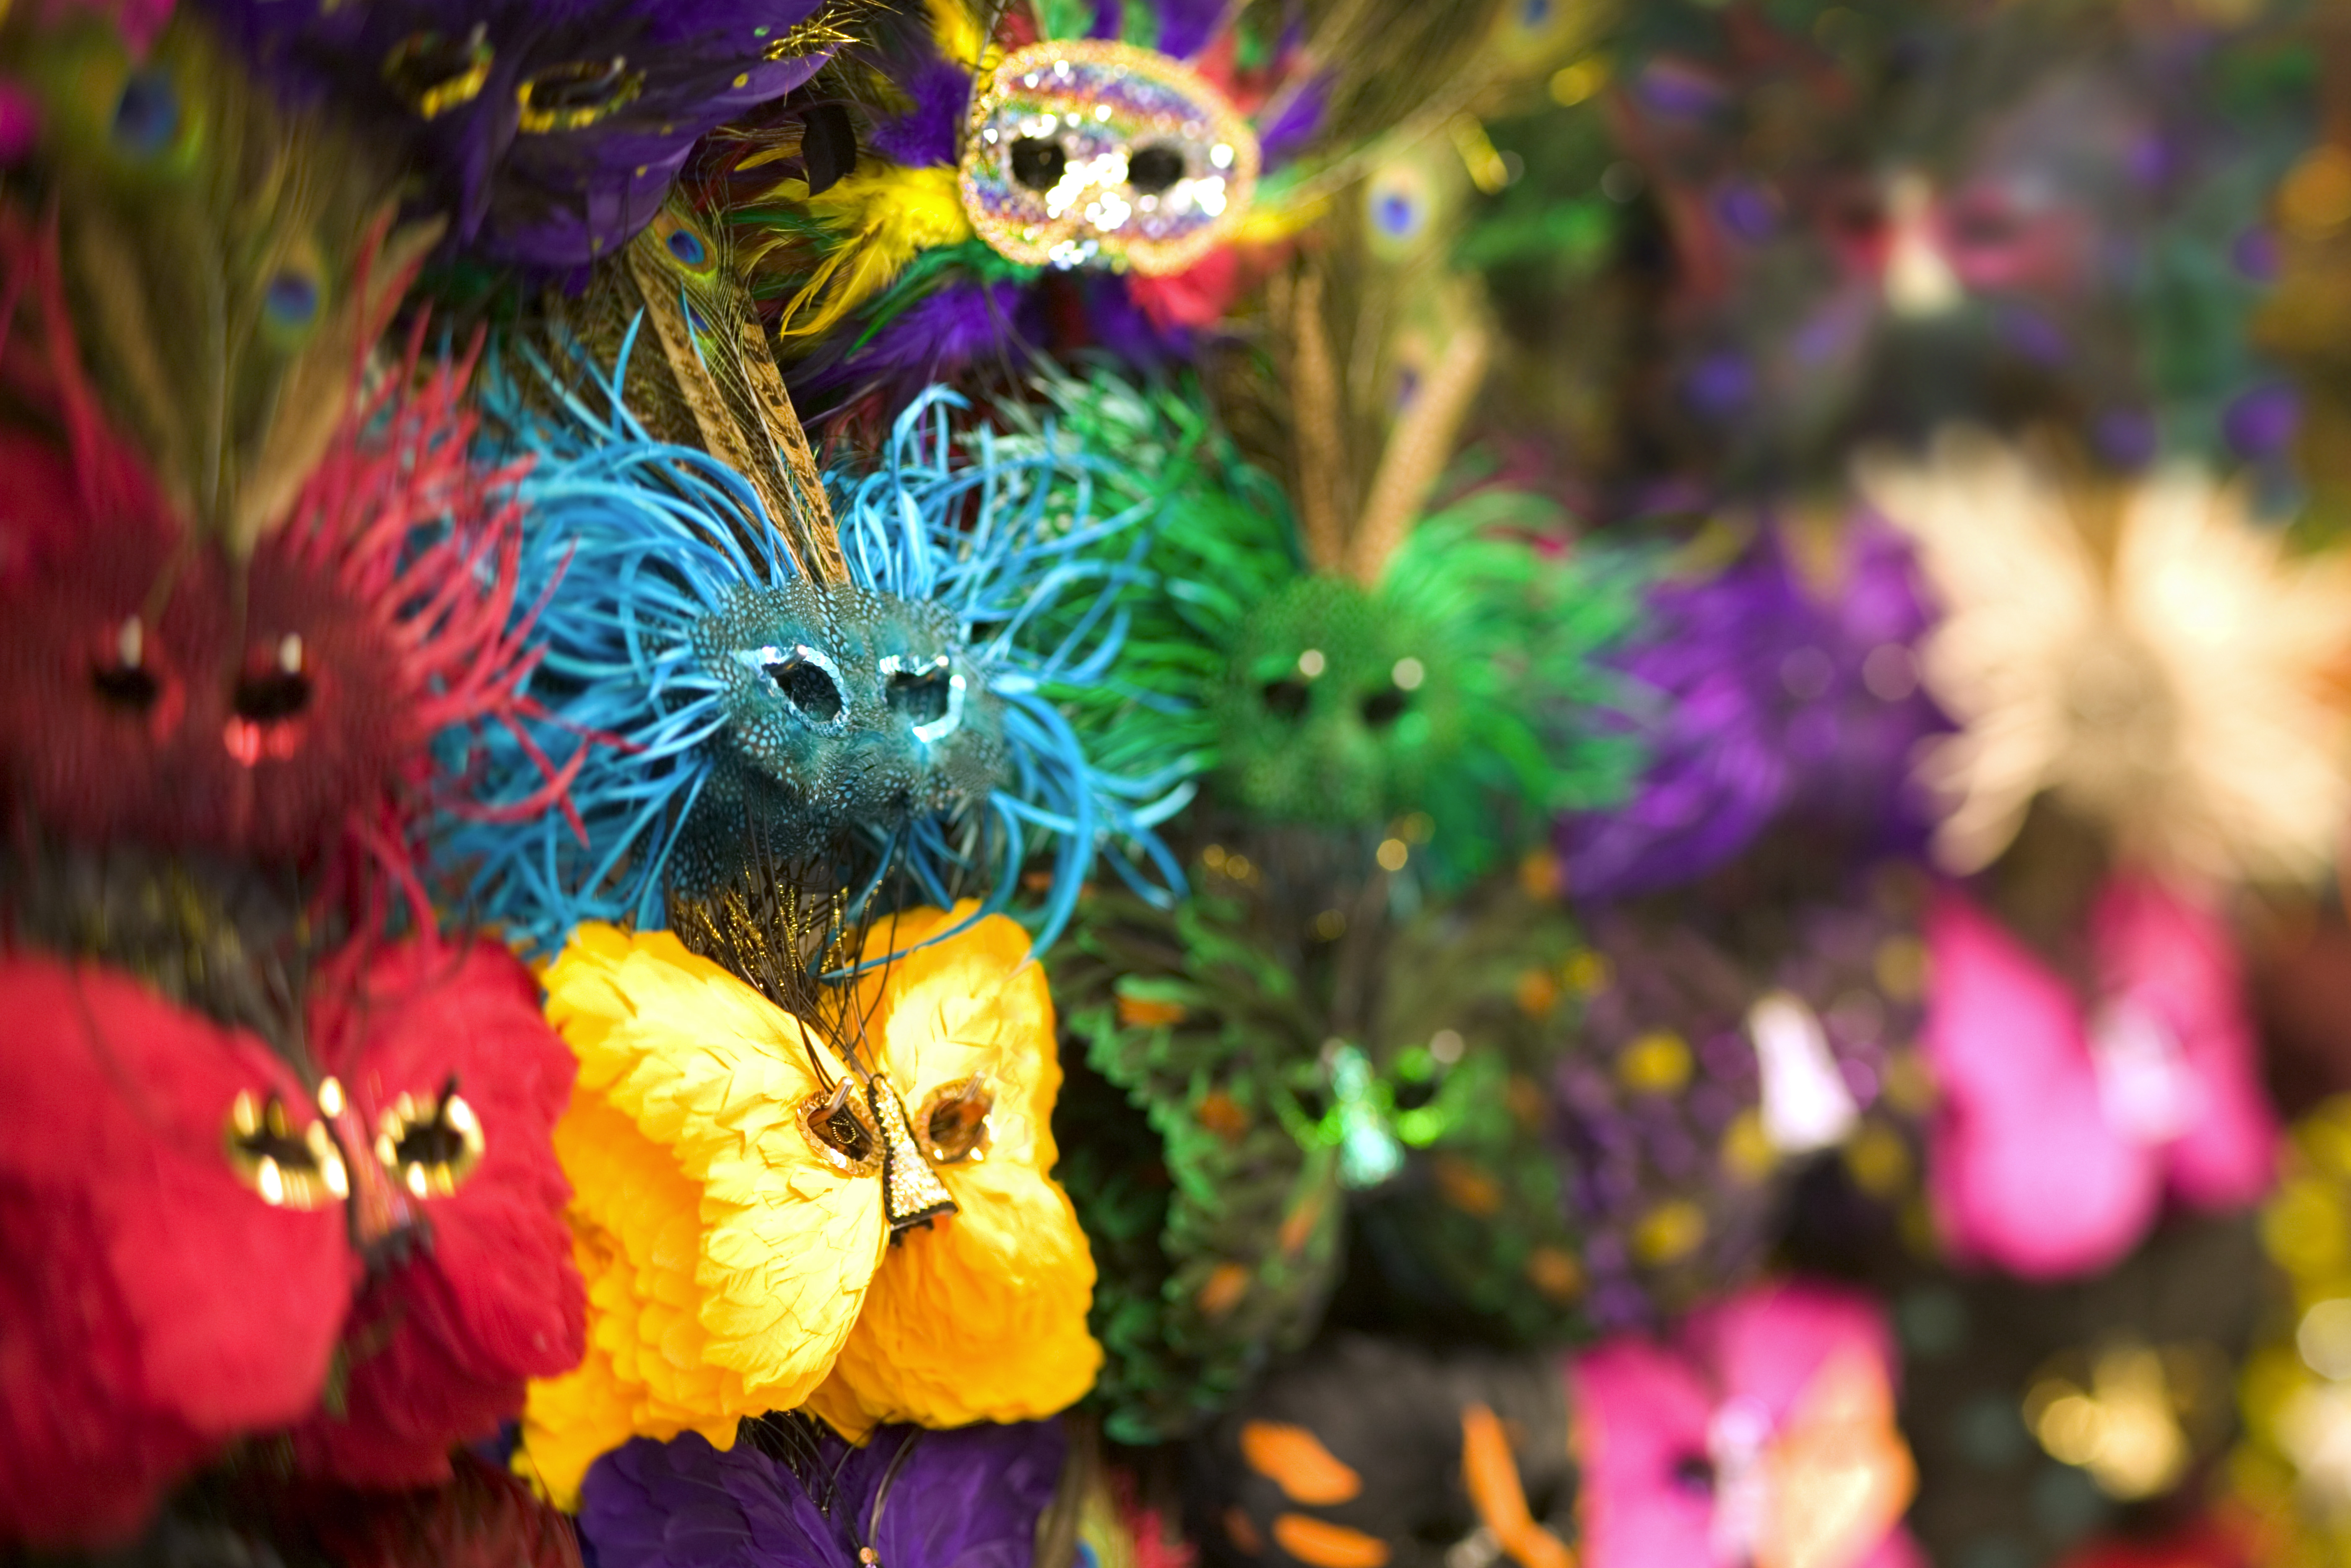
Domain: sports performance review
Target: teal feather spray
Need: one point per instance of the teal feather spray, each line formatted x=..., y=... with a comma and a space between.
x=742, y=722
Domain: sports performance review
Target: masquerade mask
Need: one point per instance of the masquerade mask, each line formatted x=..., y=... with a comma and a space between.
x=1086, y=152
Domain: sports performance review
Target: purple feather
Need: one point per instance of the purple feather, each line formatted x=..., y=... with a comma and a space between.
x=1187, y=26
x=552, y=199
x=1295, y=121
x=1770, y=704
x=965, y=1499
x=947, y=332
x=928, y=133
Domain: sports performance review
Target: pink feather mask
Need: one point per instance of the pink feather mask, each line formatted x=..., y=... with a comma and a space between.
x=1759, y=1434
x=2065, y=1123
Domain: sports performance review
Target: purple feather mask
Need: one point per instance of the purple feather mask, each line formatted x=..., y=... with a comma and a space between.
x=548, y=130
x=1771, y=701
x=790, y=1494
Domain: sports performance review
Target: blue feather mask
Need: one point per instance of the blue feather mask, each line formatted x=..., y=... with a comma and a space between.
x=735, y=720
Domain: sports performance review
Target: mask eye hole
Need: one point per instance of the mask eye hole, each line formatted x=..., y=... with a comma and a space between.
x=430, y=1145
x=841, y=1130
x=1286, y=698
x=1038, y=162
x=288, y=1169
x=1382, y=709
x=920, y=695
x=954, y=1122
x=275, y=694
x=123, y=681
x=576, y=95
x=1153, y=169
x=809, y=687
x=1411, y=1094
x=1694, y=1472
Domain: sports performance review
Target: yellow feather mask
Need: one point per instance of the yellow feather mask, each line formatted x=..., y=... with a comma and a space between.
x=767, y=1220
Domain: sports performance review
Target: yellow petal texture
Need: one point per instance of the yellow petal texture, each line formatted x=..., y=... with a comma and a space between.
x=2151, y=656
x=982, y=1317
x=726, y=1259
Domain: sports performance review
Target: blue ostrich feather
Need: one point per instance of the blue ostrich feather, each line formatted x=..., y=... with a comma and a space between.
x=673, y=620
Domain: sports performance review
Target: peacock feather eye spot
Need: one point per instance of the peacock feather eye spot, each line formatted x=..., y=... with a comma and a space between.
x=433, y=73
x=687, y=247
x=576, y=95
x=1153, y=168
x=1038, y=161
x=1382, y=709
x=290, y=303
x=953, y=1125
x=147, y=115
x=1286, y=698
x=1396, y=215
x=809, y=687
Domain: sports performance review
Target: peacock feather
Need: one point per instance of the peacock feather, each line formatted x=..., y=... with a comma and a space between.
x=230, y=263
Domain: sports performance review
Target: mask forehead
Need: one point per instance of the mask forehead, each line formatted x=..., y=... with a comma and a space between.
x=1092, y=153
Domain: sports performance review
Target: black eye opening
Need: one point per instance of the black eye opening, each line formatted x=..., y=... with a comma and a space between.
x=1038, y=162
x=920, y=694
x=130, y=687
x=1287, y=697
x=1382, y=709
x=271, y=697
x=576, y=84
x=809, y=687
x=1151, y=169
x=1694, y=1472
x=1411, y=1094
x=434, y=1142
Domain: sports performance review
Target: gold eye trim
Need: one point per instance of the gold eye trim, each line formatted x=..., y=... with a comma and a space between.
x=576, y=95
x=434, y=74
x=289, y=1169
x=429, y=1145
x=953, y=1125
x=839, y=1128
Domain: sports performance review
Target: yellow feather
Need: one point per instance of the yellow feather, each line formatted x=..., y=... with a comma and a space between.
x=881, y=217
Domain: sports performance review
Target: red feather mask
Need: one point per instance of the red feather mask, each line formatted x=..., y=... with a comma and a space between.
x=203, y=1236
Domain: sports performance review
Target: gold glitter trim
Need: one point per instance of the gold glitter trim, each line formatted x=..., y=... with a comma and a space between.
x=303, y=1172
x=539, y=120
x=450, y=93
x=446, y=1120
x=912, y=1193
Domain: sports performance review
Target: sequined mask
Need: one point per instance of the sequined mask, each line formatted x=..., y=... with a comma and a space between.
x=1086, y=152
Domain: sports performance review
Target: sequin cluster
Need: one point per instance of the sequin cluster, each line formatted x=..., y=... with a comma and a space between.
x=1087, y=152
